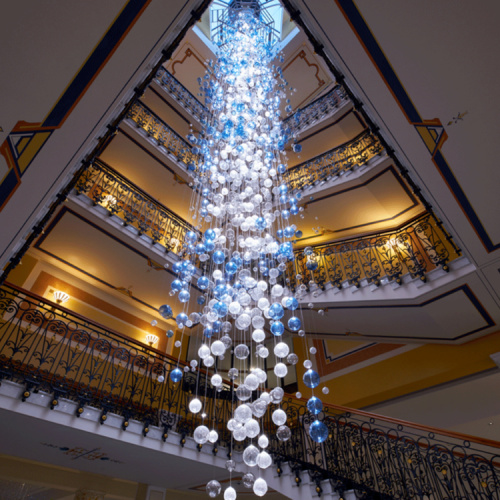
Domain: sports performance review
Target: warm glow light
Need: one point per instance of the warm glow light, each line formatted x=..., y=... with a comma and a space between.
x=152, y=339
x=60, y=297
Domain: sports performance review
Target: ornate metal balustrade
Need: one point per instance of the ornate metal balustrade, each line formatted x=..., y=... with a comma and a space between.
x=48, y=348
x=134, y=207
x=316, y=111
x=181, y=94
x=333, y=163
x=414, y=249
x=166, y=138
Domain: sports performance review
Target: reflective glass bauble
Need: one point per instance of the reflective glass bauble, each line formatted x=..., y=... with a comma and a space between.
x=314, y=405
x=229, y=493
x=200, y=434
x=263, y=441
x=264, y=460
x=248, y=479
x=165, y=311
x=294, y=324
x=279, y=416
x=311, y=379
x=195, y=405
x=250, y=455
x=260, y=487
x=175, y=375
x=213, y=488
x=318, y=431
x=283, y=433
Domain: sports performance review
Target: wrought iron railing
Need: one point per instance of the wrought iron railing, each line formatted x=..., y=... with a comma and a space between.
x=334, y=163
x=134, y=207
x=181, y=94
x=48, y=348
x=315, y=112
x=415, y=249
x=166, y=137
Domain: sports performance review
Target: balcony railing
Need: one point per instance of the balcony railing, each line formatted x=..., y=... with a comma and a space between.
x=181, y=94
x=134, y=207
x=165, y=137
x=48, y=348
x=334, y=163
x=315, y=112
x=416, y=249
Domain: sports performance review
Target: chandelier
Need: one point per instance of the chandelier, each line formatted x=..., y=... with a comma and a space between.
x=244, y=212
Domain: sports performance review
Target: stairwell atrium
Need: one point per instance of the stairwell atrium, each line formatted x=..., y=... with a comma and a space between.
x=391, y=110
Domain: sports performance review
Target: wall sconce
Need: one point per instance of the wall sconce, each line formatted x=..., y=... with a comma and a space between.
x=152, y=339
x=60, y=297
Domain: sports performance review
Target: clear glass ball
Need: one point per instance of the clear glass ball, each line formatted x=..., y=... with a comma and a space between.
x=264, y=460
x=283, y=433
x=203, y=351
x=252, y=428
x=280, y=370
x=241, y=351
x=248, y=479
x=277, y=395
x=216, y=380
x=325, y=390
x=250, y=455
x=313, y=350
x=200, y=434
x=263, y=352
x=229, y=493
x=213, y=488
x=233, y=373
x=279, y=417
x=307, y=364
x=243, y=413
x=251, y=381
x=243, y=393
x=240, y=433
x=298, y=395
x=281, y=350
x=213, y=435
x=260, y=487
x=195, y=405
x=209, y=361
x=218, y=348
x=230, y=465
x=263, y=441
x=258, y=335
x=292, y=358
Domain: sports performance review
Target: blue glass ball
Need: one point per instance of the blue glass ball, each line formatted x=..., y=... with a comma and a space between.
x=201, y=300
x=231, y=267
x=177, y=267
x=276, y=311
x=165, y=311
x=311, y=379
x=176, y=285
x=292, y=303
x=312, y=265
x=285, y=214
x=210, y=235
x=218, y=257
x=191, y=237
x=294, y=324
x=277, y=328
x=176, y=375
x=216, y=326
x=318, y=431
x=170, y=333
x=208, y=331
x=181, y=319
x=203, y=282
x=260, y=223
x=299, y=233
x=220, y=308
x=199, y=249
x=314, y=405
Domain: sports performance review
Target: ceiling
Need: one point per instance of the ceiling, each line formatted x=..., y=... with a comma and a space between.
x=426, y=75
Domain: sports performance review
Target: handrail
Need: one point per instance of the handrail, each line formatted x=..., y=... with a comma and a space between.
x=415, y=249
x=335, y=162
x=316, y=111
x=120, y=197
x=49, y=348
x=181, y=94
x=165, y=136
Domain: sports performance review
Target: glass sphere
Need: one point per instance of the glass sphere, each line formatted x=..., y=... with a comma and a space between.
x=298, y=395
x=204, y=351
x=251, y=381
x=216, y=380
x=218, y=348
x=260, y=374
x=248, y=479
x=195, y=405
x=213, y=436
x=200, y=434
x=281, y=350
x=264, y=460
x=311, y=379
x=279, y=416
x=260, y=487
x=169, y=333
x=307, y=364
x=263, y=441
x=250, y=455
x=240, y=433
x=233, y=373
x=277, y=328
x=213, y=488
x=229, y=493
x=165, y=311
x=161, y=378
x=292, y=358
x=277, y=395
x=318, y=431
x=263, y=352
x=252, y=428
x=209, y=361
x=243, y=393
x=177, y=343
x=258, y=335
x=313, y=350
x=241, y=351
x=283, y=433
x=230, y=465
x=294, y=324
x=325, y=390
x=243, y=413
x=259, y=408
x=314, y=405
x=280, y=370
x=176, y=375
